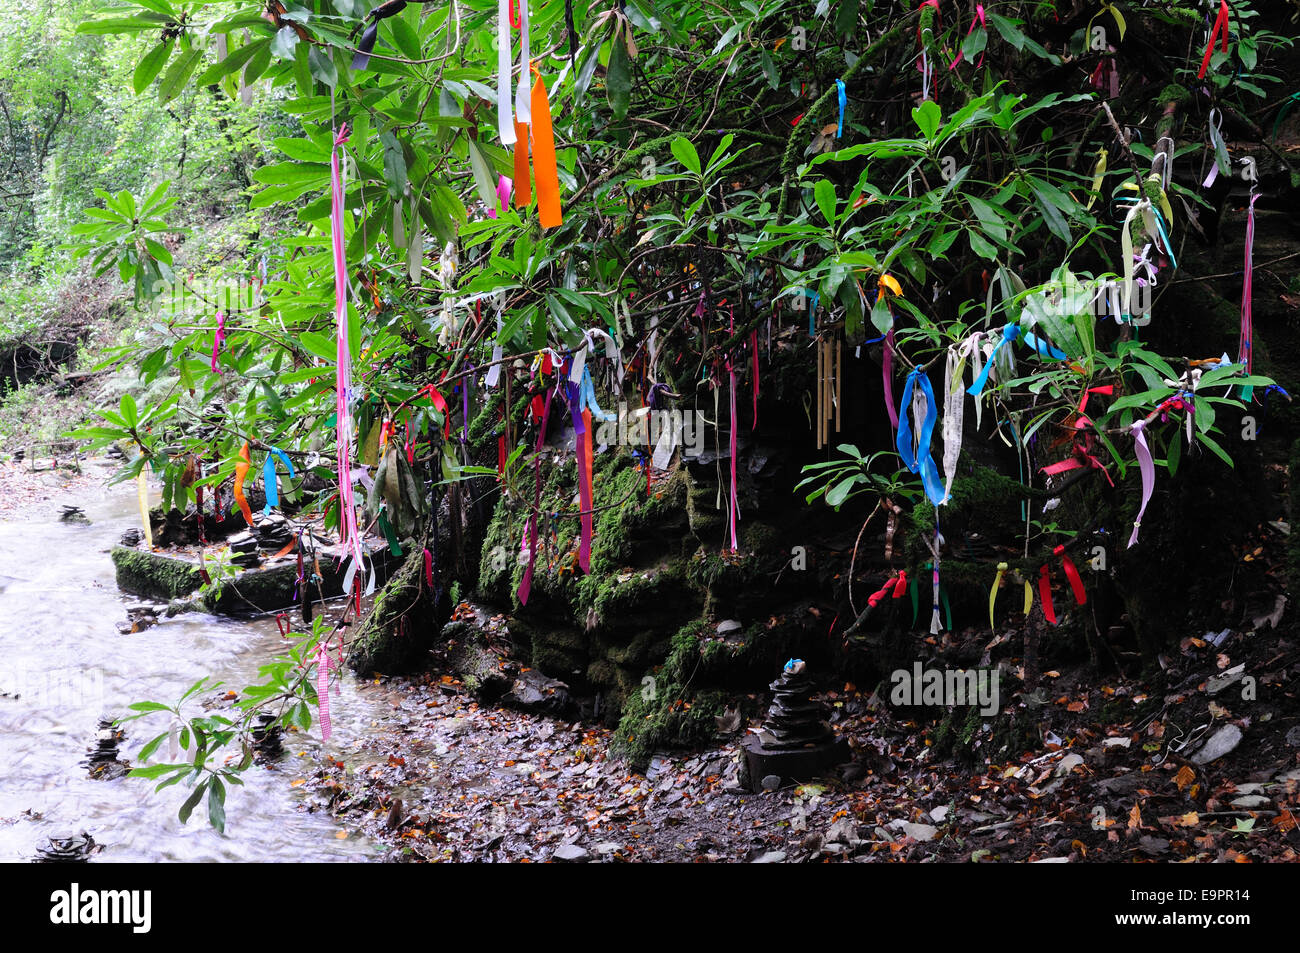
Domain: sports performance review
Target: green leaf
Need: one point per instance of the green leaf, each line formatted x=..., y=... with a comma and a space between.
x=684, y=152
x=284, y=43
x=147, y=69
x=618, y=80
x=177, y=75
x=322, y=67
x=927, y=117
x=191, y=802
x=217, y=805
x=824, y=194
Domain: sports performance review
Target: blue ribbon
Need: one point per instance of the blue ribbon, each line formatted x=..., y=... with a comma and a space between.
x=844, y=101
x=920, y=460
x=587, y=397
x=1009, y=333
x=268, y=478
x=1043, y=348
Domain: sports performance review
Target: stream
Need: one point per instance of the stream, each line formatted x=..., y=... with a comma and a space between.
x=63, y=663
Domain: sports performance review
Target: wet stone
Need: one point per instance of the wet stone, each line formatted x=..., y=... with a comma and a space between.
x=103, y=762
x=67, y=849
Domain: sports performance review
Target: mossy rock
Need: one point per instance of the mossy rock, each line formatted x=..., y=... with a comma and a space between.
x=153, y=575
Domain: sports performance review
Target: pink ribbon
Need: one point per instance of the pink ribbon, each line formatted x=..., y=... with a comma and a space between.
x=733, y=507
x=323, y=665
x=504, y=186
x=1244, y=349
x=1148, y=468
x=979, y=18
x=218, y=339
x=348, y=533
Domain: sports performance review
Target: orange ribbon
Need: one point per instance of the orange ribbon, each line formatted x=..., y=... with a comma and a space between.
x=548, y=180
x=241, y=471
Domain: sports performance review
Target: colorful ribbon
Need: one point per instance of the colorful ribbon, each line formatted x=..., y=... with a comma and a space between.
x=1045, y=593
x=1148, y=468
x=954, y=410
x=979, y=20
x=993, y=593
x=1245, y=349
x=898, y=585
x=270, y=480
x=218, y=339
x=142, y=494
x=523, y=108
x=1009, y=333
x=1217, y=31
x=349, y=535
x=844, y=101
x=505, y=119
x=241, y=473
x=526, y=583
x=1082, y=453
x=1072, y=574
x=548, y=181
x=919, y=460
x=323, y=665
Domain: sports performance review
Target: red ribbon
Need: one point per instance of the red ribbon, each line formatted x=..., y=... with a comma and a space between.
x=1083, y=452
x=440, y=403
x=1072, y=574
x=526, y=583
x=1045, y=593
x=1219, y=30
x=428, y=568
x=898, y=584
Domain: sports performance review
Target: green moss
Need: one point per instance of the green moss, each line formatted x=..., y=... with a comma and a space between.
x=668, y=712
x=153, y=575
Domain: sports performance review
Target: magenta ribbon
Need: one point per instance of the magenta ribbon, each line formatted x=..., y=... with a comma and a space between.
x=504, y=186
x=1148, y=468
x=348, y=532
x=979, y=19
x=218, y=339
x=888, y=366
x=733, y=507
x=526, y=583
x=1244, y=349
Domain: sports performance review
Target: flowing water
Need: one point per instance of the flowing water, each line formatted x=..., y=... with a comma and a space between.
x=62, y=655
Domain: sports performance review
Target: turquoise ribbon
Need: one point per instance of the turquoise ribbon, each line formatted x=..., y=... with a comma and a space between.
x=587, y=398
x=844, y=101
x=1009, y=333
x=268, y=478
x=920, y=460
x=1043, y=348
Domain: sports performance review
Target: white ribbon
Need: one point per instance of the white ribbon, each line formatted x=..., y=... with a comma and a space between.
x=505, y=121
x=954, y=403
x=524, y=93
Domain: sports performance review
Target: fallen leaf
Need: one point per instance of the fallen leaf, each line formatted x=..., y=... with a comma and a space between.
x=1184, y=777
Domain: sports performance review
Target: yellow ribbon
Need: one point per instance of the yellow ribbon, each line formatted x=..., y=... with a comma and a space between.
x=1029, y=597
x=1098, y=174
x=993, y=593
x=142, y=491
